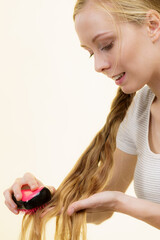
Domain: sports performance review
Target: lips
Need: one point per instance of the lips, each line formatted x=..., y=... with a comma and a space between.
x=120, y=80
x=118, y=76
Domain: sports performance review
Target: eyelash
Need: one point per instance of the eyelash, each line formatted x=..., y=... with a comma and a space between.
x=106, y=48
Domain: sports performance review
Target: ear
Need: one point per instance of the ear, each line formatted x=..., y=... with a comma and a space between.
x=153, y=24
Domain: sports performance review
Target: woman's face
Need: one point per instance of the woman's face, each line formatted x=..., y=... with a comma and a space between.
x=132, y=50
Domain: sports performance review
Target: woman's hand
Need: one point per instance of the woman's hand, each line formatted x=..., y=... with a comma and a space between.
x=27, y=181
x=100, y=202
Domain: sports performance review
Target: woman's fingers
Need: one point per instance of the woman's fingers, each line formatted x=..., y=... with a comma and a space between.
x=100, y=201
x=9, y=202
x=27, y=181
x=30, y=180
x=14, y=210
x=81, y=205
x=16, y=189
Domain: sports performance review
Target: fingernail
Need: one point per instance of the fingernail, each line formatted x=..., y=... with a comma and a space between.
x=17, y=196
x=16, y=211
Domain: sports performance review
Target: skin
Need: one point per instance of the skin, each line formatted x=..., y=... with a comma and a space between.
x=139, y=58
x=27, y=181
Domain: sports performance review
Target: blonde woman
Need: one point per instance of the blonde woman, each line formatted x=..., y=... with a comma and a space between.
x=123, y=37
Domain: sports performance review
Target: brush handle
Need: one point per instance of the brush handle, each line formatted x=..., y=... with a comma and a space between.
x=33, y=199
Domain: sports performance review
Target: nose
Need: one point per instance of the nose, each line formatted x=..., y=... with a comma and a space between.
x=101, y=63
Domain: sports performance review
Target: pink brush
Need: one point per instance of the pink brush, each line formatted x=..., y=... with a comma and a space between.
x=33, y=200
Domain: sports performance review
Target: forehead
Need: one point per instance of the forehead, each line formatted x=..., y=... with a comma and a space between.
x=93, y=20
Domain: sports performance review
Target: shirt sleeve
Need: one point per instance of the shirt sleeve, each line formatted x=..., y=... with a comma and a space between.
x=125, y=139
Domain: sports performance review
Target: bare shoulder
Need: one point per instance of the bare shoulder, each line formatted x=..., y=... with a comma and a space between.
x=123, y=171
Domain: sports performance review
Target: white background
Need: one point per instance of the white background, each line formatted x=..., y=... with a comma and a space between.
x=52, y=103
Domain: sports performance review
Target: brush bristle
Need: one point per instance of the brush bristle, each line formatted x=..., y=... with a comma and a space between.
x=33, y=210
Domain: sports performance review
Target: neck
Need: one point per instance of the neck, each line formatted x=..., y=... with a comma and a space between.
x=154, y=85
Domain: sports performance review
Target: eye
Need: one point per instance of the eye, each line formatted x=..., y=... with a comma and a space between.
x=107, y=47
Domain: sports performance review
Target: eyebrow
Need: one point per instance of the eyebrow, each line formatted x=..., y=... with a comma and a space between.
x=97, y=36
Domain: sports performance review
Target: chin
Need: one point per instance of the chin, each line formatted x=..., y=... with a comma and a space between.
x=130, y=89
x=127, y=90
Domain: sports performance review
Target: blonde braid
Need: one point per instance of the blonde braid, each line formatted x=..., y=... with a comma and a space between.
x=89, y=175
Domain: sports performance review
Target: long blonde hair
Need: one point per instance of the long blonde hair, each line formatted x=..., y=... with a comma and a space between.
x=92, y=170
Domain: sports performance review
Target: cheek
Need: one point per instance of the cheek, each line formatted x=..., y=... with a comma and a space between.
x=130, y=52
x=135, y=58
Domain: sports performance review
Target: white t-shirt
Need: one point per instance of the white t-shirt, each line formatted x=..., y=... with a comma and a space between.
x=132, y=138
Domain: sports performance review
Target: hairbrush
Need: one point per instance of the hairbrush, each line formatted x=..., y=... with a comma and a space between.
x=33, y=200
